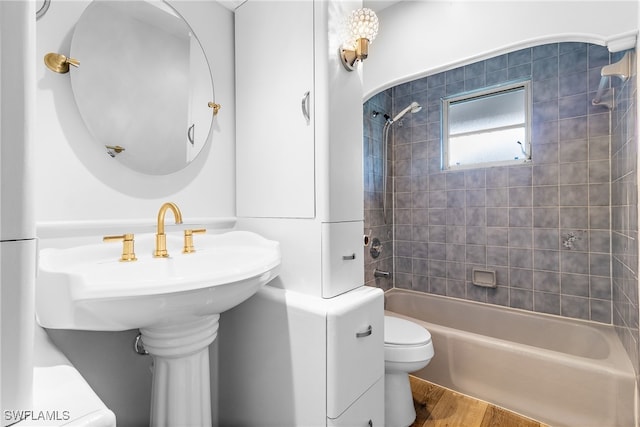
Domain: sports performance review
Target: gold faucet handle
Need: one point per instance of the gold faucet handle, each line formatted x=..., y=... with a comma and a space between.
x=188, y=239
x=128, y=253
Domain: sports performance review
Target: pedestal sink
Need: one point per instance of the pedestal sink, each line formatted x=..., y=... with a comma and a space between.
x=175, y=302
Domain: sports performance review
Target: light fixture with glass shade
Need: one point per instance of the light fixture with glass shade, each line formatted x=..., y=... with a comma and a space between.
x=363, y=28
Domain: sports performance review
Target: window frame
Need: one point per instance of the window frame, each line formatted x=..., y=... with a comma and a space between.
x=484, y=93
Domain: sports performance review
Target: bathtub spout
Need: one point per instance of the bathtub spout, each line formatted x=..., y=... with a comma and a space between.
x=381, y=273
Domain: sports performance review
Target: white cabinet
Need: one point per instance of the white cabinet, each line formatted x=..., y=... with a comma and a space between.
x=299, y=141
x=355, y=348
x=289, y=359
x=275, y=170
x=362, y=413
x=298, y=113
x=342, y=261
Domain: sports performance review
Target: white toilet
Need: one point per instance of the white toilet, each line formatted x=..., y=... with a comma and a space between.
x=407, y=348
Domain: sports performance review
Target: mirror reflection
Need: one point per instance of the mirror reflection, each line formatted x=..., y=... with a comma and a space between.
x=143, y=84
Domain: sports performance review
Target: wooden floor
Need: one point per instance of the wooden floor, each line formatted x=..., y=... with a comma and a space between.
x=438, y=407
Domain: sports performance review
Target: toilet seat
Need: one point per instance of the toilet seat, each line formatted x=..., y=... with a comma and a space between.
x=405, y=341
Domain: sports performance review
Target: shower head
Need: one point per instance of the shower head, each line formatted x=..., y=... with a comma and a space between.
x=414, y=107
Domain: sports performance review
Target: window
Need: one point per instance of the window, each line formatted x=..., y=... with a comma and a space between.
x=487, y=128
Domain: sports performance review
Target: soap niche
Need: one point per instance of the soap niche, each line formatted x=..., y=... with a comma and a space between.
x=485, y=278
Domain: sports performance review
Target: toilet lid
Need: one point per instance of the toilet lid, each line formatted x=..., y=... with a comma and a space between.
x=403, y=332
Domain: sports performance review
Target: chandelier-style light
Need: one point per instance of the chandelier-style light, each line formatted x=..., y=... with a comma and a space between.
x=363, y=29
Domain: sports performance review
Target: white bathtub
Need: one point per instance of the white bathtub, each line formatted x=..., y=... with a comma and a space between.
x=559, y=371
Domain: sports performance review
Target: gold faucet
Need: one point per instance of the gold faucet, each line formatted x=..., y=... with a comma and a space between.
x=188, y=240
x=161, y=238
x=128, y=252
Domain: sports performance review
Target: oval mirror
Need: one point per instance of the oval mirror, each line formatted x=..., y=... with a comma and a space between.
x=143, y=85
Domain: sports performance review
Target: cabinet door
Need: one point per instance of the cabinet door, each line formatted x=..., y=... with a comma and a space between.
x=342, y=266
x=367, y=411
x=355, y=347
x=274, y=109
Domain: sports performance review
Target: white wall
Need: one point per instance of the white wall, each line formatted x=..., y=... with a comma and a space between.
x=418, y=38
x=77, y=181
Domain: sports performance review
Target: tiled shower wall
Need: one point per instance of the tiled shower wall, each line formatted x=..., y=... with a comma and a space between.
x=544, y=227
x=624, y=215
x=375, y=224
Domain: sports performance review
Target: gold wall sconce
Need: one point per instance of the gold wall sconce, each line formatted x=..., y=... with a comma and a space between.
x=363, y=28
x=216, y=107
x=59, y=63
x=113, y=150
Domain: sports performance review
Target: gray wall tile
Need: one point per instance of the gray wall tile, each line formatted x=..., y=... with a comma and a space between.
x=517, y=219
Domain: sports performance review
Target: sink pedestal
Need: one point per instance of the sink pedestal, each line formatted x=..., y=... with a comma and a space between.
x=181, y=390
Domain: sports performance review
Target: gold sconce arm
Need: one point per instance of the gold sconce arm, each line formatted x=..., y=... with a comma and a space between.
x=350, y=57
x=216, y=107
x=59, y=63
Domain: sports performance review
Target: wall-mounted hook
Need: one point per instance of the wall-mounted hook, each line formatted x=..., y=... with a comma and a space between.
x=216, y=107
x=59, y=63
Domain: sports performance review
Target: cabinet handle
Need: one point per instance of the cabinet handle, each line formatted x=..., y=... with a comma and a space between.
x=349, y=257
x=305, y=106
x=190, y=133
x=366, y=333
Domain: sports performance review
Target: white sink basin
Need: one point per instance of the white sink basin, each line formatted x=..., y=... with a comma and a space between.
x=88, y=288
x=175, y=302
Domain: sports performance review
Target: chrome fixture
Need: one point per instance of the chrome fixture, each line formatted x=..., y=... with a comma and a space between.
x=569, y=240
x=59, y=63
x=524, y=152
x=414, y=107
x=366, y=239
x=363, y=28
x=381, y=273
x=161, y=238
x=376, y=248
x=138, y=345
x=128, y=252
